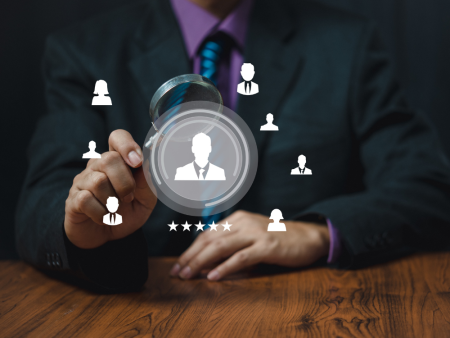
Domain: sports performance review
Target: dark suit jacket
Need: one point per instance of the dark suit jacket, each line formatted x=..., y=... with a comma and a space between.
x=379, y=174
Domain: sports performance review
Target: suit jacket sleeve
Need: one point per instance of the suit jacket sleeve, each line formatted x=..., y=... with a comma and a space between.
x=403, y=205
x=55, y=152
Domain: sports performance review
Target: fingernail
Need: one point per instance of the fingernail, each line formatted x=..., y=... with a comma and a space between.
x=175, y=269
x=128, y=198
x=134, y=158
x=185, y=273
x=213, y=275
x=139, y=151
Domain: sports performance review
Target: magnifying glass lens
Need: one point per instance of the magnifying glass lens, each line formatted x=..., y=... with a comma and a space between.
x=179, y=90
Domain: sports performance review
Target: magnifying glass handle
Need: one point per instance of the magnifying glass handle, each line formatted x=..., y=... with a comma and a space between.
x=149, y=142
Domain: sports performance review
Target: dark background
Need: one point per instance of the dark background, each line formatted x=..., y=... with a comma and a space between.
x=417, y=33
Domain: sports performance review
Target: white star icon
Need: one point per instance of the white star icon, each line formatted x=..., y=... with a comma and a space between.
x=186, y=226
x=200, y=226
x=226, y=226
x=173, y=226
x=213, y=226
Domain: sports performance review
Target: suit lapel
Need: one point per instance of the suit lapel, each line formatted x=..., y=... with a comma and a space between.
x=159, y=51
x=271, y=49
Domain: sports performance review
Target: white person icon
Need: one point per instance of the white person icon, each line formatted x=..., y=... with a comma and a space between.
x=113, y=218
x=248, y=87
x=276, y=215
x=92, y=153
x=301, y=169
x=101, y=88
x=200, y=169
x=269, y=126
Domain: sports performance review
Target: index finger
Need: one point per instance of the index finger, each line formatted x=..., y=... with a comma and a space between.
x=121, y=141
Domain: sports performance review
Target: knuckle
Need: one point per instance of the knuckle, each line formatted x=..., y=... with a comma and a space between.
x=114, y=134
x=260, y=230
x=207, y=240
x=90, y=162
x=72, y=192
x=67, y=203
x=271, y=243
x=220, y=245
x=99, y=180
x=242, y=257
x=204, y=237
x=126, y=187
x=77, y=178
x=241, y=213
x=83, y=198
x=110, y=158
x=195, y=264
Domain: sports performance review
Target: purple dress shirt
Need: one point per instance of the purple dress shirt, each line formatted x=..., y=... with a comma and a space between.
x=196, y=24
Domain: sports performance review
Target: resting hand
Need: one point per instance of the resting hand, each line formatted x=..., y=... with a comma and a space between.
x=249, y=243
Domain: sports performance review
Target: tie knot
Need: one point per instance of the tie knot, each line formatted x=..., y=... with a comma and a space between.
x=214, y=49
x=220, y=43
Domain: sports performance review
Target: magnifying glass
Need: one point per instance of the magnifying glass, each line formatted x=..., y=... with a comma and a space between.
x=181, y=109
x=168, y=101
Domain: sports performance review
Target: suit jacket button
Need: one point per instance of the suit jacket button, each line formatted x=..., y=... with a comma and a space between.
x=49, y=263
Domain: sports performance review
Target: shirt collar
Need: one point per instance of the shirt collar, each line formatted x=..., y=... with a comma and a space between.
x=197, y=169
x=196, y=23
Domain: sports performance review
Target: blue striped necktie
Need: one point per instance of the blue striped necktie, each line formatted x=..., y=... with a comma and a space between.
x=215, y=49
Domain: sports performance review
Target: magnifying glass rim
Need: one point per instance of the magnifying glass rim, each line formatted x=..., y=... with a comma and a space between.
x=172, y=83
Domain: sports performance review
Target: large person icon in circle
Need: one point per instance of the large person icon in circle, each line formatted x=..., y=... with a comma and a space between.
x=200, y=169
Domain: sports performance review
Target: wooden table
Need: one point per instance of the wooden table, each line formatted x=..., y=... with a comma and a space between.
x=404, y=298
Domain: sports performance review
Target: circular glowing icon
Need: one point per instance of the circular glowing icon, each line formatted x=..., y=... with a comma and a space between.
x=202, y=157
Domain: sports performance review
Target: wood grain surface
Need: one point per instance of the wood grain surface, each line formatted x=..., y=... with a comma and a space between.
x=405, y=298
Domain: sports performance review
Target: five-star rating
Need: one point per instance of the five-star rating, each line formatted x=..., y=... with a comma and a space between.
x=199, y=226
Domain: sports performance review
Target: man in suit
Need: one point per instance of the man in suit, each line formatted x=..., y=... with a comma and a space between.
x=201, y=169
x=380, y=186
x=112, y=218
x=301, y=169
x=248, y=87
